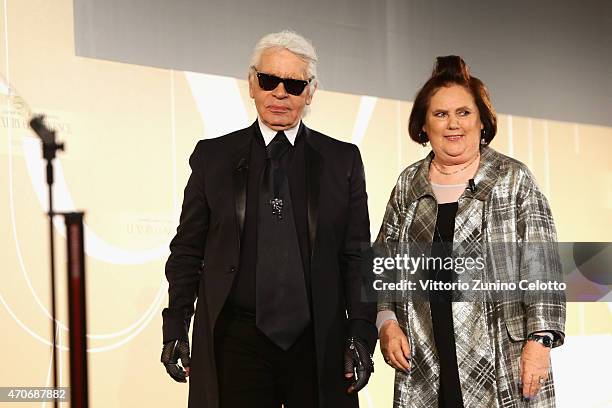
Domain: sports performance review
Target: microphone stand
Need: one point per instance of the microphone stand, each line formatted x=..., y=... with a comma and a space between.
x=50, y=148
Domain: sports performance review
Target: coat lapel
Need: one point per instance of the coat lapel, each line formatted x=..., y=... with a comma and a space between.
x=240, y=177
x=486, y=176
x=424, y=220
x=314, y=166
x=470, y=220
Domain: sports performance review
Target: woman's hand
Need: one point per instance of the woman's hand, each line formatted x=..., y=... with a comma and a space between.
x=535, y=366
x=394, y=346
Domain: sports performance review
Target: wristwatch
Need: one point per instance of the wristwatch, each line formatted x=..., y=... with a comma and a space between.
x=543, y=339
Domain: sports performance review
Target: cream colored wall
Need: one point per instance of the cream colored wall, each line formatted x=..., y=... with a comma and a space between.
x=129, y=131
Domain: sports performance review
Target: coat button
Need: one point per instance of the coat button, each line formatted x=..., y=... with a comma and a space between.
x=232, y=269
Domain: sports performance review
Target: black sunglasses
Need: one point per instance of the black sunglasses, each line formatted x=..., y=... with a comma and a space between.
x=269, y=82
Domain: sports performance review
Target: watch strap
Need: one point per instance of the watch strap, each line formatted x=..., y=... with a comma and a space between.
x=543, y=339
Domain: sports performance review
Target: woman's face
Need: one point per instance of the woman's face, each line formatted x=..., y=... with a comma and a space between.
x=453, y=125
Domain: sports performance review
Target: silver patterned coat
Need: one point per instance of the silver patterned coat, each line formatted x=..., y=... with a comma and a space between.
x=505, y=207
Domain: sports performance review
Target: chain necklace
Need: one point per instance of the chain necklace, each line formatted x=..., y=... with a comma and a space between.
x=447, y=173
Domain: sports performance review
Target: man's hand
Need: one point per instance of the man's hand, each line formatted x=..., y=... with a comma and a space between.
x=394, y=346
x=535, y=366
x=358, y=363
x=171, y=352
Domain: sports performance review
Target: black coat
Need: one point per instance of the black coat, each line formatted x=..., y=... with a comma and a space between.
x=205, y=255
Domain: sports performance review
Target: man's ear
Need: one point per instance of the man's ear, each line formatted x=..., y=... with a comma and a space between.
x=251, y=86
x=311, y=94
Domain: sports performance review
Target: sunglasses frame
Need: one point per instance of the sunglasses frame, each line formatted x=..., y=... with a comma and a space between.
x=285, y=81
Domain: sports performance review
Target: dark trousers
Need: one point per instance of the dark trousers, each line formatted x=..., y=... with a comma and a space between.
x=254, y=372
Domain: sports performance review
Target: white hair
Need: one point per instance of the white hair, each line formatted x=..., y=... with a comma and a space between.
x=292, y=42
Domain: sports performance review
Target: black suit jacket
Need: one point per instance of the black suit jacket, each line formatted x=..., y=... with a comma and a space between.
x=205, y=255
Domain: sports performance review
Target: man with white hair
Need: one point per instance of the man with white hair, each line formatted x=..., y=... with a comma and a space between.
x=270, y=242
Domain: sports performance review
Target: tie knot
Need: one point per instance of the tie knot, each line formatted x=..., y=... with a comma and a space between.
x=278, y=146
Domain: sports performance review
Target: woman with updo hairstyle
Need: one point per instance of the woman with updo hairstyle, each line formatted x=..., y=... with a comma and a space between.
x=453, y=347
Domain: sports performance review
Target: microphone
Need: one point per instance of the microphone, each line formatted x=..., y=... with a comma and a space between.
x=472, y=185
x=46, y=135
x=242, y=165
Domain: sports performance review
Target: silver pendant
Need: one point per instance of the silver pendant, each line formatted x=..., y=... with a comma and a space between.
x=277, y=207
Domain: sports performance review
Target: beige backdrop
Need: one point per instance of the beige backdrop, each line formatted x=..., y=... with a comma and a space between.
x=129, y=131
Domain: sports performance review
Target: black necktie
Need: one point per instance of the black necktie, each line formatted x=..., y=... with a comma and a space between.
x=281, y=302
x=274, y=173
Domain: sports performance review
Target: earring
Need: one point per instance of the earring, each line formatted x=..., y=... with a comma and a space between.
x=423, y=139
x=483, y=139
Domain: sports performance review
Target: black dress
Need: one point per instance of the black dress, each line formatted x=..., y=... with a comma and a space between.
x=441, y=310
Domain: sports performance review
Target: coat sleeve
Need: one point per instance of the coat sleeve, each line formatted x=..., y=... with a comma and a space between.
x=388, y=236
x=361, y=312
x=539, y=259
x=184, y=265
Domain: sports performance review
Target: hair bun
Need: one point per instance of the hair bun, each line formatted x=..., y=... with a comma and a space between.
x=452, y=67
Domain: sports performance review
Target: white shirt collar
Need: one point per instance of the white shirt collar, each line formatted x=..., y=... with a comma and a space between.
x=268, y=134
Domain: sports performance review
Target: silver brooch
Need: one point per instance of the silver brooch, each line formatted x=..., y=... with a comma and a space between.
x=277, y=207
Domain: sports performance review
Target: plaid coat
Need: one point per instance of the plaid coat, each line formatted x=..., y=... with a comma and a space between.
x=506, y=207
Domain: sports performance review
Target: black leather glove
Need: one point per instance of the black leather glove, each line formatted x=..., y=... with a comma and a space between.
x=357, y=361
x=171, y=352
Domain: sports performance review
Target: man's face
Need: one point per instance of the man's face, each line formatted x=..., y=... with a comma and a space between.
x=278, y=109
